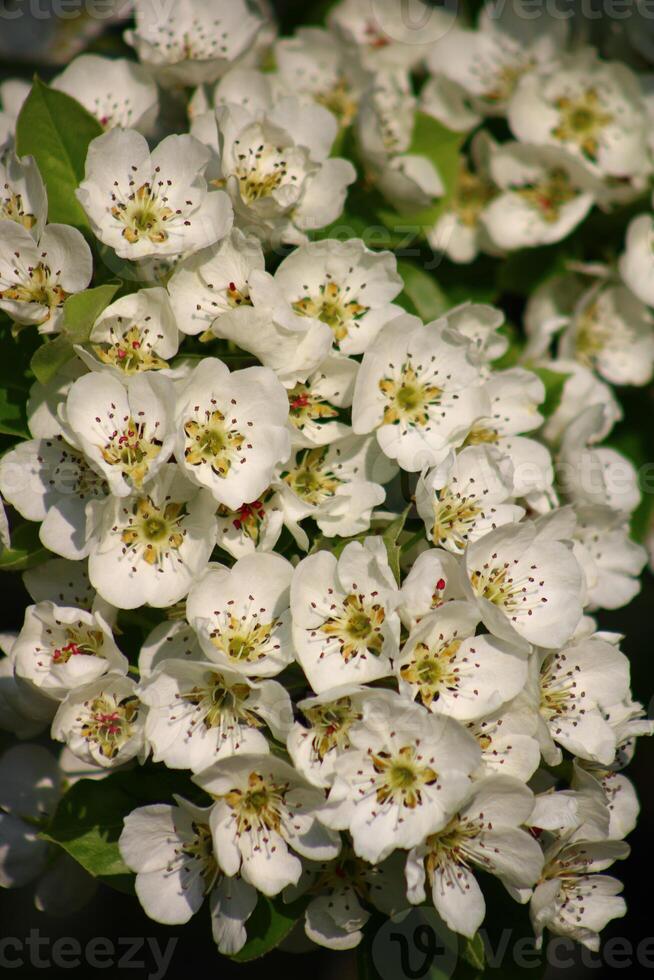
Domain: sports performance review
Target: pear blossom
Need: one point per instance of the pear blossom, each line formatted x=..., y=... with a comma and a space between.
x=400, y=781
x=265, y=811
x=102, y=722
x=23, y=197
x=171, y=850
x=527, y=582
x=60, y=648
x=611, y=561
x=200, y=713
x=452, y=671
x=345, y=285
x=124, y=430
x=193, y=43
x=571, y=898
x=13, y=92
x=581, y=389
x=150, y=547
x=173, y=639
x=277, y=170
x=338, y=485
x=213, y=281
x=508, y=44
x=637, y=261
x=594, y=109
x=465, y=497
x=146, y=204
x=136, y=333
x=36, y=277
x=420, y=390
x=31, y=786
x=116, y=91
x=24, y=710
x=345, y=628
x=242, y=616
x=544, y=193
x=485, y=833
x=47, y=480
x=316, y=404
x=508, y=740
x=254, y=526
x=46, y=400
x=232, y=430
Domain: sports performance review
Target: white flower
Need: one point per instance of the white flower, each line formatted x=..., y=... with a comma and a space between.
x=544, y=193
x=486, y=834
x=617, y=791
x=570, y=688
x=232, y=430
x=47, y=480
x=316, y=404
x=580, y=390
x=30, y=787
x=102, y=722
x=116, y=91
x=592, y=108
x=13, y=92
x=255, y=526
x=46, y=400
x=527, y=582
x=171, y=850
x=242, y=616
x=480, y=324
x=148, y=548
x=345, y=628
x=277, y=169
x=200, y=713
x=509, y=43
x=37, y=277
x=214, y=281
x=338, y=485
x=571, y=899
x=404, y=776
x=60, y=648
x=507, y=739
x=409, y=181
x=125, y=430
x=151, y=204
x=451, y=671
x=193, y=41
x=173, y=639
x=24, y=711
x=23, y=197
x=465, y=497
x=384, y=34
x=344, y=284
x=292, y=346
x=612, y=332
x=66, y=583
x=264, y=811
x=611, y=561
x=312, y=64
x=420, y=390
x=637, y=262
x=435, y=578
x=136, y=333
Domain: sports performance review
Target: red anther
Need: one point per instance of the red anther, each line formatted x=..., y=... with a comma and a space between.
x=440, y=585
x=300, y=402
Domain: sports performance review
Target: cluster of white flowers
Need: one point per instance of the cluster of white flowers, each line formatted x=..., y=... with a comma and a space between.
x=371, y=555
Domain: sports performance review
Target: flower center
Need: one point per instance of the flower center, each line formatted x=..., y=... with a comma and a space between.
x=312, y=480
x=242, y=641
x=12, y=209
x=143, y=215
x=154, y=531
x=472, y=194
x=200, y=851
x=80, y=641
x=340, y=101
x=408, y=400
x=222, y=705
x=305, y=407
x=260, y=807
x=330, y=725
x=454, y=517
x=109, y=723
x=131, y=353
x=581, y=121
x=334, y=306
x=549, y=195
x=131, y=450
x=400, y=777
x=432, y=669
x=357, y=627
x=213, y=442
x=37, y=287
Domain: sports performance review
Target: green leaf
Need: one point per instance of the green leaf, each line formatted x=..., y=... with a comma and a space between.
x=391, y=537
x=81, y=310
x=56, y=130
x=423, y=292
x=554, y=382
x=89, y=819
x=12, y=416
x=269, y=925
x=26, y=549
x=473, y=951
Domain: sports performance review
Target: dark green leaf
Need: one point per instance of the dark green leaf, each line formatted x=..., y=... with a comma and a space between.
x=391, y=537
x=81, y=310
x=89, y=819
x=26, y=549
x=269, y=925
x=554, y=382
x=423, y=292
x=473, y=951
x=56, y=130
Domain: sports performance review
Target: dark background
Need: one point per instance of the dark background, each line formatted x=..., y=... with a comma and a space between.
x=116, y=916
